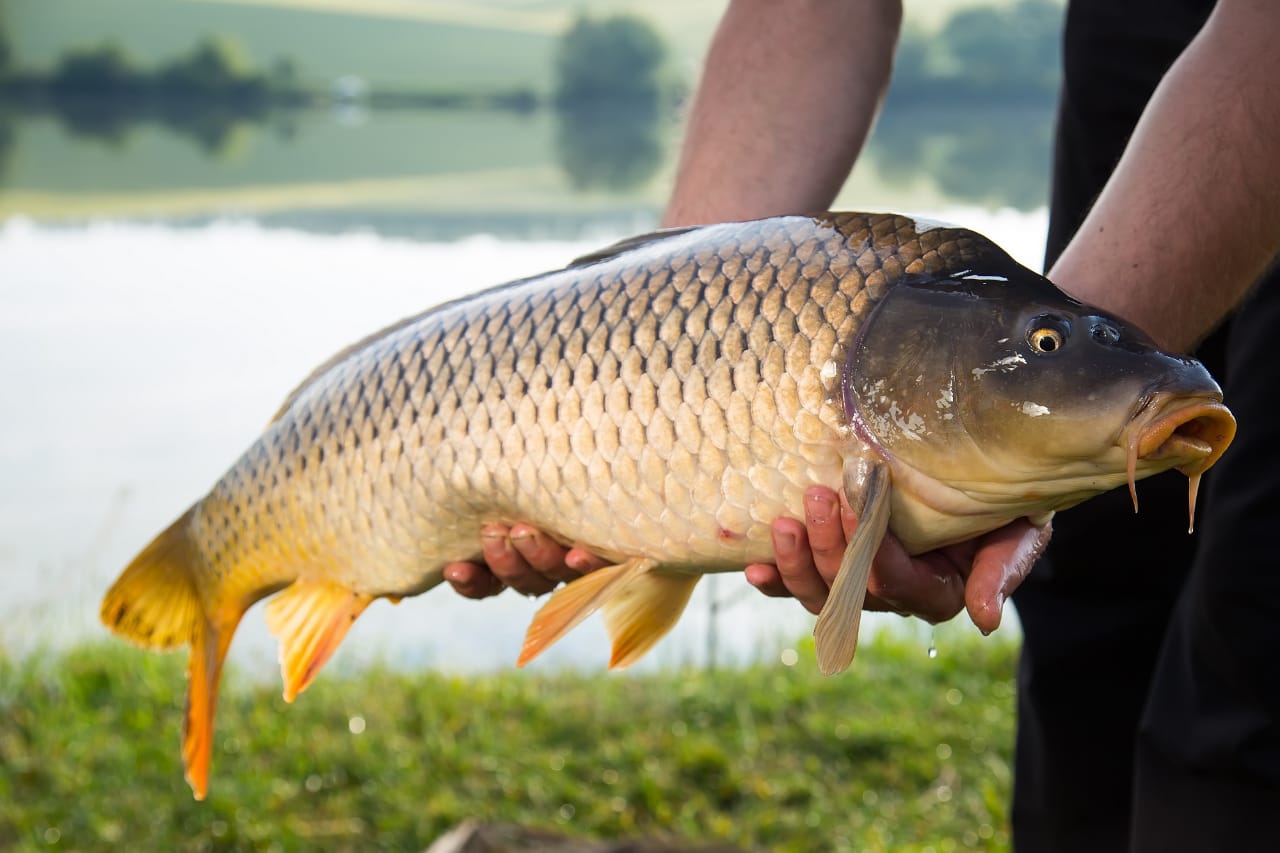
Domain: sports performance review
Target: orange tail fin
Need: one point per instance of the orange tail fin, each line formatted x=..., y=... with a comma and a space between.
x=156, y=604
x=204, y=671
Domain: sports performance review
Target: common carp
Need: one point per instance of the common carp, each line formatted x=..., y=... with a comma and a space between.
x=660, y=402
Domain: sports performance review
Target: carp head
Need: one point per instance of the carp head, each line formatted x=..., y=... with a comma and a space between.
x=993, y=395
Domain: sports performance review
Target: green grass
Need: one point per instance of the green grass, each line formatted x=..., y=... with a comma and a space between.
x=902, y=753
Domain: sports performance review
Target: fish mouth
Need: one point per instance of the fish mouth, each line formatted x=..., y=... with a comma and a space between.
x=1189, y=434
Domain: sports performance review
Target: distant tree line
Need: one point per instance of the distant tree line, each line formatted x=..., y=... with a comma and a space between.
x=216, y=68
x=612, y=87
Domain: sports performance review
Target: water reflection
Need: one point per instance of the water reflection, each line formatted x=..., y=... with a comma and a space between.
x=977, y=153
x=609, y=148
x=6, y=146
x=527, y=166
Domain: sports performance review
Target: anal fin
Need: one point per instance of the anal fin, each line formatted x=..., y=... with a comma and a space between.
x=867, y=487
x=575, y=601
x=311, y=619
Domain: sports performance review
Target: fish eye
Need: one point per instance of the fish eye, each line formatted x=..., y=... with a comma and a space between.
x=1047, y=334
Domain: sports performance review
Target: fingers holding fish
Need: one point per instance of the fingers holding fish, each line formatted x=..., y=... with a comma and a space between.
x=796, y=573
x=523, y=558
x=930, y=585
x=1003, y=559
x=828, y=523
x=580, y=561
x=472, y=580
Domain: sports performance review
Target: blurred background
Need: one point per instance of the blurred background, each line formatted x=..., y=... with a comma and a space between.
x=201, y=200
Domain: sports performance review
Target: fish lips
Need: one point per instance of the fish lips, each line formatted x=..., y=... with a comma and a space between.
x=1193, y=433
x=1189, y=433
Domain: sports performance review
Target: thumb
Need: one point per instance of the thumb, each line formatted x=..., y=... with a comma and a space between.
x=1003, y=559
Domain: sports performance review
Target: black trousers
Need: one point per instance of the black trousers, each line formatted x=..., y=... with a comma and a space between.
x=1149, y=683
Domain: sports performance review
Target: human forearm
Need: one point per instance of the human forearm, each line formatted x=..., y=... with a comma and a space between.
x=788, y=95
x=1190, y=216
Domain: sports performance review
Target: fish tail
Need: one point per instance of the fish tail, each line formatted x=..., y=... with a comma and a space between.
x=204, y=672
x=156, y=604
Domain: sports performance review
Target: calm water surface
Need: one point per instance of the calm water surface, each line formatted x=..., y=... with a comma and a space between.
x=139, y=360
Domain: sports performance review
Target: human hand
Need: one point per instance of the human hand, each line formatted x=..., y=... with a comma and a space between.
x=977, y=575
x=521, y=557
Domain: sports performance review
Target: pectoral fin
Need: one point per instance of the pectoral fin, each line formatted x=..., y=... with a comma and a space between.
x=310, y=619
x=867, y=488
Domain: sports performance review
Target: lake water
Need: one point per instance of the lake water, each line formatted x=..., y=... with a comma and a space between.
x=150, y=326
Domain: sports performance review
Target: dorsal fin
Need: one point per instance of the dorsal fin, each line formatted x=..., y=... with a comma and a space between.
x=629, y=244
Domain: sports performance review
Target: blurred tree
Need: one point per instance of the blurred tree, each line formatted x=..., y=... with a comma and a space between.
x=284, y=75
x=1013, y=50
x=614, y=59
x=217, y=66
x=984, y=52
x=997, y=156
x=95, y=70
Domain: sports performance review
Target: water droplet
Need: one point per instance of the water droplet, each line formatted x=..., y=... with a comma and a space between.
x=933, y=645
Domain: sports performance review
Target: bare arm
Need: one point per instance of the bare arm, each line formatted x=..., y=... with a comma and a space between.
x=1191, y=215
x=788, y=95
